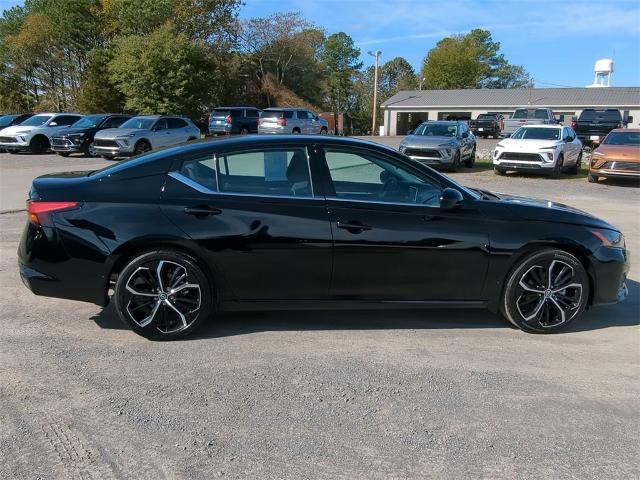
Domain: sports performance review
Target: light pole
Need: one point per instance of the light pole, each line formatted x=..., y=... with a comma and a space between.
x=375, y=54
x=421, y=80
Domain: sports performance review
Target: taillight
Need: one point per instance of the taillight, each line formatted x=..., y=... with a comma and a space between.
x=283, y=122
x=228, y=119
x=38, y=212
x=574, y=125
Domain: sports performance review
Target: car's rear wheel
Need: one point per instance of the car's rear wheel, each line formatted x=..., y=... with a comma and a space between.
x=545, y=291
x=591, y=178
x=39, y=144
x=163, y=295
x=142, y=147
x=244, y=131
x=296, y=130
x=470, y=162
x=323, y=131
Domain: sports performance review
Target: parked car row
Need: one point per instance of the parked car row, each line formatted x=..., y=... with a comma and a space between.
x=244, y=120
x=109, y=135
x=548, y=149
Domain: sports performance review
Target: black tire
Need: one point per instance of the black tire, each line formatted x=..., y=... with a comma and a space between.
x=574, y=169
x=141, y=147
x=537, y=310
x=150, y=309
x=557, y=169
x=499, y=171
x=591, y=178
x=471, y=161
x=295, y=131
x=544, y=306
x=244, y=131
x=323, y=131
x=107, y=157
x=39, y=144
x=13, y=152
x=456, y=162
x=63, y=154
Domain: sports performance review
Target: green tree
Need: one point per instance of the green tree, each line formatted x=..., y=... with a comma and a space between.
x=98, y=92
x=471, y=60
x=163, y=72
x=340, y=61
x=395, y=75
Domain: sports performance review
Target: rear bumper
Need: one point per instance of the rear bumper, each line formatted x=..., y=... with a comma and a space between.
x=221, y=129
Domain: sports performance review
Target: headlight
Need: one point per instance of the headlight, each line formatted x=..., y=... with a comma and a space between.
x=609, y=238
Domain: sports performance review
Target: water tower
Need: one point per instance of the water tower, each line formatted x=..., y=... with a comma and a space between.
x=602, y=70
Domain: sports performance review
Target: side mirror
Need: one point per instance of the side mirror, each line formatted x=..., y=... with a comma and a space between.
x=53, y=124
x=450, y=199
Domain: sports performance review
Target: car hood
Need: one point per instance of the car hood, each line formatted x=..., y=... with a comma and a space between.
x=72, y=131
x=546, y=210
x=516, y=144
x=628, y=153
x=18, y=129
x=119, y=132
x=413, y=141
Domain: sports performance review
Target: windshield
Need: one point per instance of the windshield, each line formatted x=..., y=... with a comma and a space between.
x=36, y=120
x=437, y=130
x=139, y=123
x=533, y=133
x=89, y=121
x=622, y=138
x=6, y=120
x=600, y=116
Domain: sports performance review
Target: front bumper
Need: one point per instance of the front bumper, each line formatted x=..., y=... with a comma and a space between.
x=603, y=167
x=62, y=144
x=432, y=156
x=608, y=269
x=534, y=161
x=13, y=143
x=113, y=147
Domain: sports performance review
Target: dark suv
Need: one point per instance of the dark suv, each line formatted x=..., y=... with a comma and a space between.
x=79, y=136
x=228, y=120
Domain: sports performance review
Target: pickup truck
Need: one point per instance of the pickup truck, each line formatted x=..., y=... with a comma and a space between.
x=594, y=124
x=487, y=124
x=528, y=116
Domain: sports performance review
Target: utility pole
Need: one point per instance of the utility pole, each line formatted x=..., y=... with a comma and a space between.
x=376, y=55
x=421, y=80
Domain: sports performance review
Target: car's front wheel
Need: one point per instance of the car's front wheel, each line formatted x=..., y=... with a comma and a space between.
x=471, y=161
x=163, y=295
x=141, y=147
x=545, y=291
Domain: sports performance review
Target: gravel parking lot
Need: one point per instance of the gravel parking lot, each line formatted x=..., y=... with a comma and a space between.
x=293, y=395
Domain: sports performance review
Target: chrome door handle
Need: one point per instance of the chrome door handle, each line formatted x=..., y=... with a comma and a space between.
x=353, y=227
x=202, y=211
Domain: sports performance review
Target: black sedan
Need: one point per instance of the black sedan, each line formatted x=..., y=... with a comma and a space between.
x=264, y=222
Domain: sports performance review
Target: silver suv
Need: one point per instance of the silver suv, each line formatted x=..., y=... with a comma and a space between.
x=291, y=120
x=143, y=134
x=33, y=134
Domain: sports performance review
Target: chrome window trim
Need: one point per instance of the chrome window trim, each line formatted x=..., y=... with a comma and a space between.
x=377, y=202
x=202, y=189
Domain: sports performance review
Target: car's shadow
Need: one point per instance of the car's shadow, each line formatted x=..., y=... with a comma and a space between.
x=227, y=324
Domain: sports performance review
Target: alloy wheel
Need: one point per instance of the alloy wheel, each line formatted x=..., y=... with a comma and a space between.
x=162, y=293
x=548, y=294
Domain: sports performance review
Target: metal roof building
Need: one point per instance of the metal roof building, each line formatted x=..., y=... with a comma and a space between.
x=409, y=107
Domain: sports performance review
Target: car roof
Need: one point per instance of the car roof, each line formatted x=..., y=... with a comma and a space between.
x=634, y=130
x=285, y=108
x=236, y=106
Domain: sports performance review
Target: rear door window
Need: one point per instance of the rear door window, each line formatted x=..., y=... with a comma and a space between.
x=176, y=123
x=273, y=172
x=250, y=113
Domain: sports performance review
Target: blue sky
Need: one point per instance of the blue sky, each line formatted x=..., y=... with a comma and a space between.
x=557, y=41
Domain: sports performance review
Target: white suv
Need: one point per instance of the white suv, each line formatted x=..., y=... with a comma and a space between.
x=291, y=120
x=548, y=149
x=33, y=134
x=143, y=134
